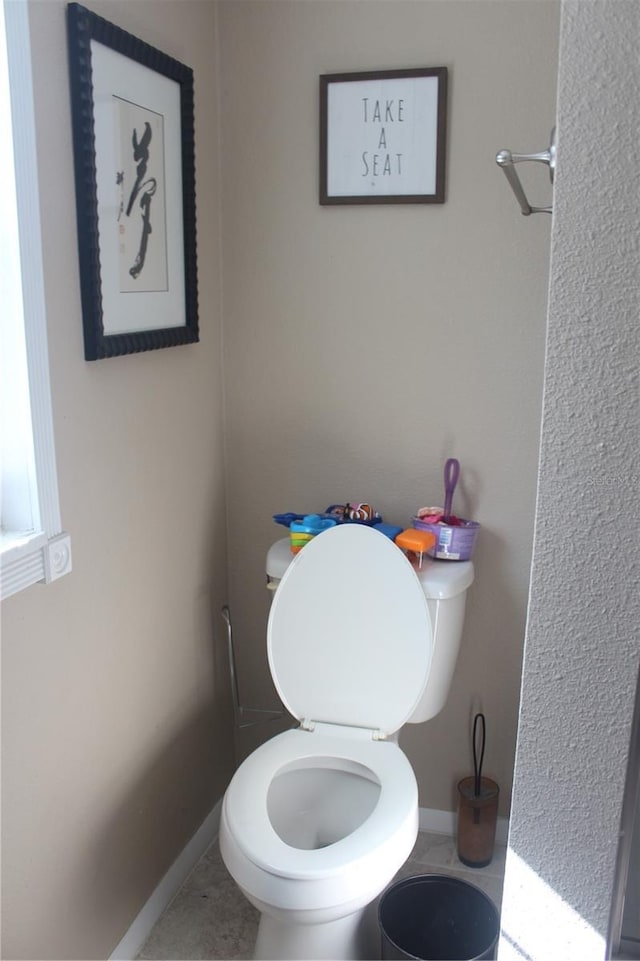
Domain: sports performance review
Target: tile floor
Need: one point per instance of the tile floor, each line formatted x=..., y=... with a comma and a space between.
x=209, y=918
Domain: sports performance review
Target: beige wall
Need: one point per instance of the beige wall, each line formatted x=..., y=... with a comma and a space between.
x=364, y=345
x=116, y=734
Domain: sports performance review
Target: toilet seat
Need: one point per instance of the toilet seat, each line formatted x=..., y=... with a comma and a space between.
x=349, y=637
x=247, y=819
x=349, y=642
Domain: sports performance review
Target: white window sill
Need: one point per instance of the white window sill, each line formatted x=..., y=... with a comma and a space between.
x=32, y=558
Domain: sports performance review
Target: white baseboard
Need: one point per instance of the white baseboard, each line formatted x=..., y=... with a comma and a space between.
x=169, y=886
x=445, y=822
x=438, y=822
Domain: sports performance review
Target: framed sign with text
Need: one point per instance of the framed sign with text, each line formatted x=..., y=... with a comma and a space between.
x=383, y=137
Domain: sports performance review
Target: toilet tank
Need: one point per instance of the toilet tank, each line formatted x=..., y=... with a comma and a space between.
x=445, y=584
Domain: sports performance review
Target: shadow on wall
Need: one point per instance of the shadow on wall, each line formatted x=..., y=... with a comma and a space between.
x=161, y=807
x=492, y=651
x=489, y=651
x=147, y=828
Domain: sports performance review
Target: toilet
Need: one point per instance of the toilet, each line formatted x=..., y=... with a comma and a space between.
x=317, y=821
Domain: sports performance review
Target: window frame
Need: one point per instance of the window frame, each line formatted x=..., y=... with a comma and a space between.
x=45, y=553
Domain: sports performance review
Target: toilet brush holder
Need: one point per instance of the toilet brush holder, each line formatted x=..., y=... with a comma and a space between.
x=477, y=819
x=477, y=806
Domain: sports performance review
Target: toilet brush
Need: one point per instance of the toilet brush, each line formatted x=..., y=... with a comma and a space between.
x=477, y=764
x=477, y=806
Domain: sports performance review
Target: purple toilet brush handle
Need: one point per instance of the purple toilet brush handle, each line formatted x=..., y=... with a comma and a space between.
x=451, y=474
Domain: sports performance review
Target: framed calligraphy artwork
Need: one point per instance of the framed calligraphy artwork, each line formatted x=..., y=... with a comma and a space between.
x=383, y=137
x=133, y=142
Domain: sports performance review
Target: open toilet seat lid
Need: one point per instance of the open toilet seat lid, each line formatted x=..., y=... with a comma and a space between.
x=349, y=637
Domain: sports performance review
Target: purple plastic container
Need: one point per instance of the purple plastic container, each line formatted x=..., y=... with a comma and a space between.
x=453, y=543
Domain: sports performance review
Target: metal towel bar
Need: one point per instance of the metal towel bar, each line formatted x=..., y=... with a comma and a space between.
x=507, y=160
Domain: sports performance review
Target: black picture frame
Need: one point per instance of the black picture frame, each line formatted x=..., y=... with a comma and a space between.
x=383, y=136
x=128, y=100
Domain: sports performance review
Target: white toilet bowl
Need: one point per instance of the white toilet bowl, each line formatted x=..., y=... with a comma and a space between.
x=317, y=821
x=313, y=827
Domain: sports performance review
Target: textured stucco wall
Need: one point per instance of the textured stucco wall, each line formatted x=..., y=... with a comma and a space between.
x=581, y=648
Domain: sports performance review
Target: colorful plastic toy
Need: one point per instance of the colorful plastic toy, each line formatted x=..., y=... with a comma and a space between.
x=304, y=530
x=416, y=542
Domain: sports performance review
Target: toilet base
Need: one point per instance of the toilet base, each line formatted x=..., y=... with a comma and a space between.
x=352, y=938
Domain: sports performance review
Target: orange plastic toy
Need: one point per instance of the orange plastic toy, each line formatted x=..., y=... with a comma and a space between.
x=419, y=542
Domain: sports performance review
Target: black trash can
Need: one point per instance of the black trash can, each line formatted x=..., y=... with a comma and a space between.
x=434, y=917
